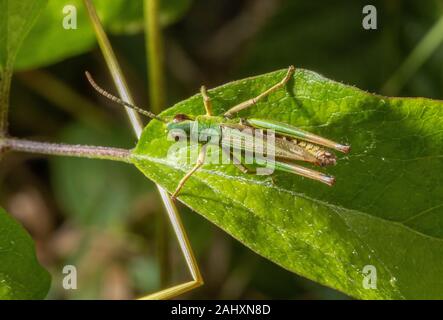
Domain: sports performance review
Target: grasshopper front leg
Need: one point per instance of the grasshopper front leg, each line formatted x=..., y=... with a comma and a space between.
x=199, y=163
x=249, y=103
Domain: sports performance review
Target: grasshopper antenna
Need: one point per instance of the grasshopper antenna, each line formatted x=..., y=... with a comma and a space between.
x=111, y=97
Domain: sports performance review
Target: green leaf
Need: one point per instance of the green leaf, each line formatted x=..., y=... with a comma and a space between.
x=21, y=276
x=16, y=18
x=49, y=42
x=385, y=209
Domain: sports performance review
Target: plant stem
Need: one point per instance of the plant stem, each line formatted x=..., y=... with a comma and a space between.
x=415, y=60
x=154, y=50
x=156, y=80
x=170, y=207
x=5, y=84
x=69, y=150
x=114, y=67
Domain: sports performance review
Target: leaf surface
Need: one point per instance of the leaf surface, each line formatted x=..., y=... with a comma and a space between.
x=16, y=18
x=21, y=276
x=385, y=210
x=49, y=42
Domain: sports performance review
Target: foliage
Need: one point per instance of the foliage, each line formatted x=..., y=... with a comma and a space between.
x=49, y=42
x=16, y=18
x=21, y=276
x=328, y=234
x=391, y=174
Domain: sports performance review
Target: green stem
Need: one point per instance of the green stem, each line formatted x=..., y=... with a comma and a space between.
x=156, y=80
x=69, y=150
x=5, y=85
x=430, y=42
x=113, y=66
x=122, y=88
x=154, y=49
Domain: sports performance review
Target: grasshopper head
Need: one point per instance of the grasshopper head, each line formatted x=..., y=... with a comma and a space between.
x=180, y=117
x=180, y=123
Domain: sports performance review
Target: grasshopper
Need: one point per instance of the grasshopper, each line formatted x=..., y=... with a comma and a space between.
x=291, y=144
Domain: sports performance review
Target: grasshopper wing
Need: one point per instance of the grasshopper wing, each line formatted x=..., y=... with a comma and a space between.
x=294, y=132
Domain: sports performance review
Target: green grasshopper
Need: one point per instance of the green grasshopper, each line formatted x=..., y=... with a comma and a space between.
x=291, y=144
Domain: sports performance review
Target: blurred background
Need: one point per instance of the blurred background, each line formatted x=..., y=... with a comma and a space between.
x=106, y=218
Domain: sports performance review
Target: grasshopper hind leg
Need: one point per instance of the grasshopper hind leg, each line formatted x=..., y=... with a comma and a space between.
x=249, y=103
x=305, y=172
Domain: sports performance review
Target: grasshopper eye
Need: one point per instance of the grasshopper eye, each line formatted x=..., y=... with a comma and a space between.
x=177, y=135
x=180, y=117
